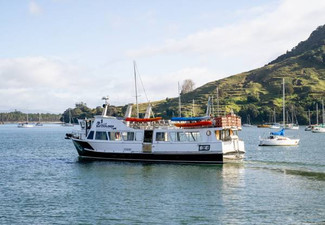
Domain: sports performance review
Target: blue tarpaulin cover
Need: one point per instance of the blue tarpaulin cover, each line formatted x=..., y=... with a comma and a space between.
x=189, y=118
x=281, y=132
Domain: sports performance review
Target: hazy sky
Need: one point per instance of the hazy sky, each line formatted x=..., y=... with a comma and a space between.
x=54, y=53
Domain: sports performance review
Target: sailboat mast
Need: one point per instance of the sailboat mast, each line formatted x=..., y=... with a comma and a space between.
x=218, y=102
x=323, y=111
x=179, y=101
x=317, y=113
x=193, y=108
x=283, y=106
x=136, y=88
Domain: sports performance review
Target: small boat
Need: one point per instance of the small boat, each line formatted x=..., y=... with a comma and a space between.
x=70, y=124
x=248, y=124
x=275, y=126
x=39, y=124
x=264, y=126
x=26, y=124
x=278, y=139
x=320, y=128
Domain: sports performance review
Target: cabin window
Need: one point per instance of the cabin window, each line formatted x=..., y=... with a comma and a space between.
x=193, y=136
x=224, y=134
x=218, y=134
x=128, y=136
x=101, y=135
x=161, y=136
x=177, y=136
x=115, y=136
x=90, y=135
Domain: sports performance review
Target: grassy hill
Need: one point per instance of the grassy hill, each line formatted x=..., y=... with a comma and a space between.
x=257, y=93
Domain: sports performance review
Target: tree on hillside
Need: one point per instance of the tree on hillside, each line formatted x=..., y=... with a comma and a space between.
x=188, y=85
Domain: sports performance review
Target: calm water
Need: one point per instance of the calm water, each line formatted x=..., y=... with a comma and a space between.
x=42, y=181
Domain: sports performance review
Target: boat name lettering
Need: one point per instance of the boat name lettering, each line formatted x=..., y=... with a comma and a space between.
x=204, y=147
x=101, y=124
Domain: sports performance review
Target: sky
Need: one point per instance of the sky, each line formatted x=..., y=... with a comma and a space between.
x=55, y=53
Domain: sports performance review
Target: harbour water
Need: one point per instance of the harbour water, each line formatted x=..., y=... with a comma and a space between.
x=42, y=181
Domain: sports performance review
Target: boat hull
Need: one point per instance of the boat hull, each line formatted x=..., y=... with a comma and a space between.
x=86, y=151
x=292, y=142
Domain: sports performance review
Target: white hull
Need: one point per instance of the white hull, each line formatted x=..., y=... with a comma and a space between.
x=114, y=139
x=318, y=130
x=24, y=125
x=283, y=141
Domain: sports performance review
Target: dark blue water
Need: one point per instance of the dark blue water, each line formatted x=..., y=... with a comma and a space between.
x=42, y=181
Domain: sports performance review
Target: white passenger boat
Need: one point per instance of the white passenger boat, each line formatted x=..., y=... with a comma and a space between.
x=155, y=140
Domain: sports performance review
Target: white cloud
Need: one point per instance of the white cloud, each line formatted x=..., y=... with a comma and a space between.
x=259, y=38
x=34, y=8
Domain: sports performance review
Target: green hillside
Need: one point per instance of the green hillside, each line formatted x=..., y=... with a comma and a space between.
x=258, y=92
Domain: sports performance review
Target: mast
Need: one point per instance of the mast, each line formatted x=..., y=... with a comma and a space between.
x=323, y=111
x=179, y=101
x=317, y=113
x=136, y=88
x=283, y=106
x=309, y=117
x=193, y=108
x=218, y=101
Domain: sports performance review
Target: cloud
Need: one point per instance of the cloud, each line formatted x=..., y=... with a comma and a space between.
x=40, y=83
x=34, y=8
x=265, y=35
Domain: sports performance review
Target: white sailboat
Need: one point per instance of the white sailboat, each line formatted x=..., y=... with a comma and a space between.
x=278, y=138
x=320, y=128
x=26, y=124
x=294, y=125
x=274, y=125
x=70, y=124
x=248, y=124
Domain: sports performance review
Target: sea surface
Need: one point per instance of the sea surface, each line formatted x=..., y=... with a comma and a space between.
x=42, y=181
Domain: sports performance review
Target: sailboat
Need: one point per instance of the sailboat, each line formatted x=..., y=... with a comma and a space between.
x=248, y=124
x=275, y=125
x=320, y=128
x=279, y=138
x=70, y=124
x=294, y=123
x=39, y=121
x=26, y=124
